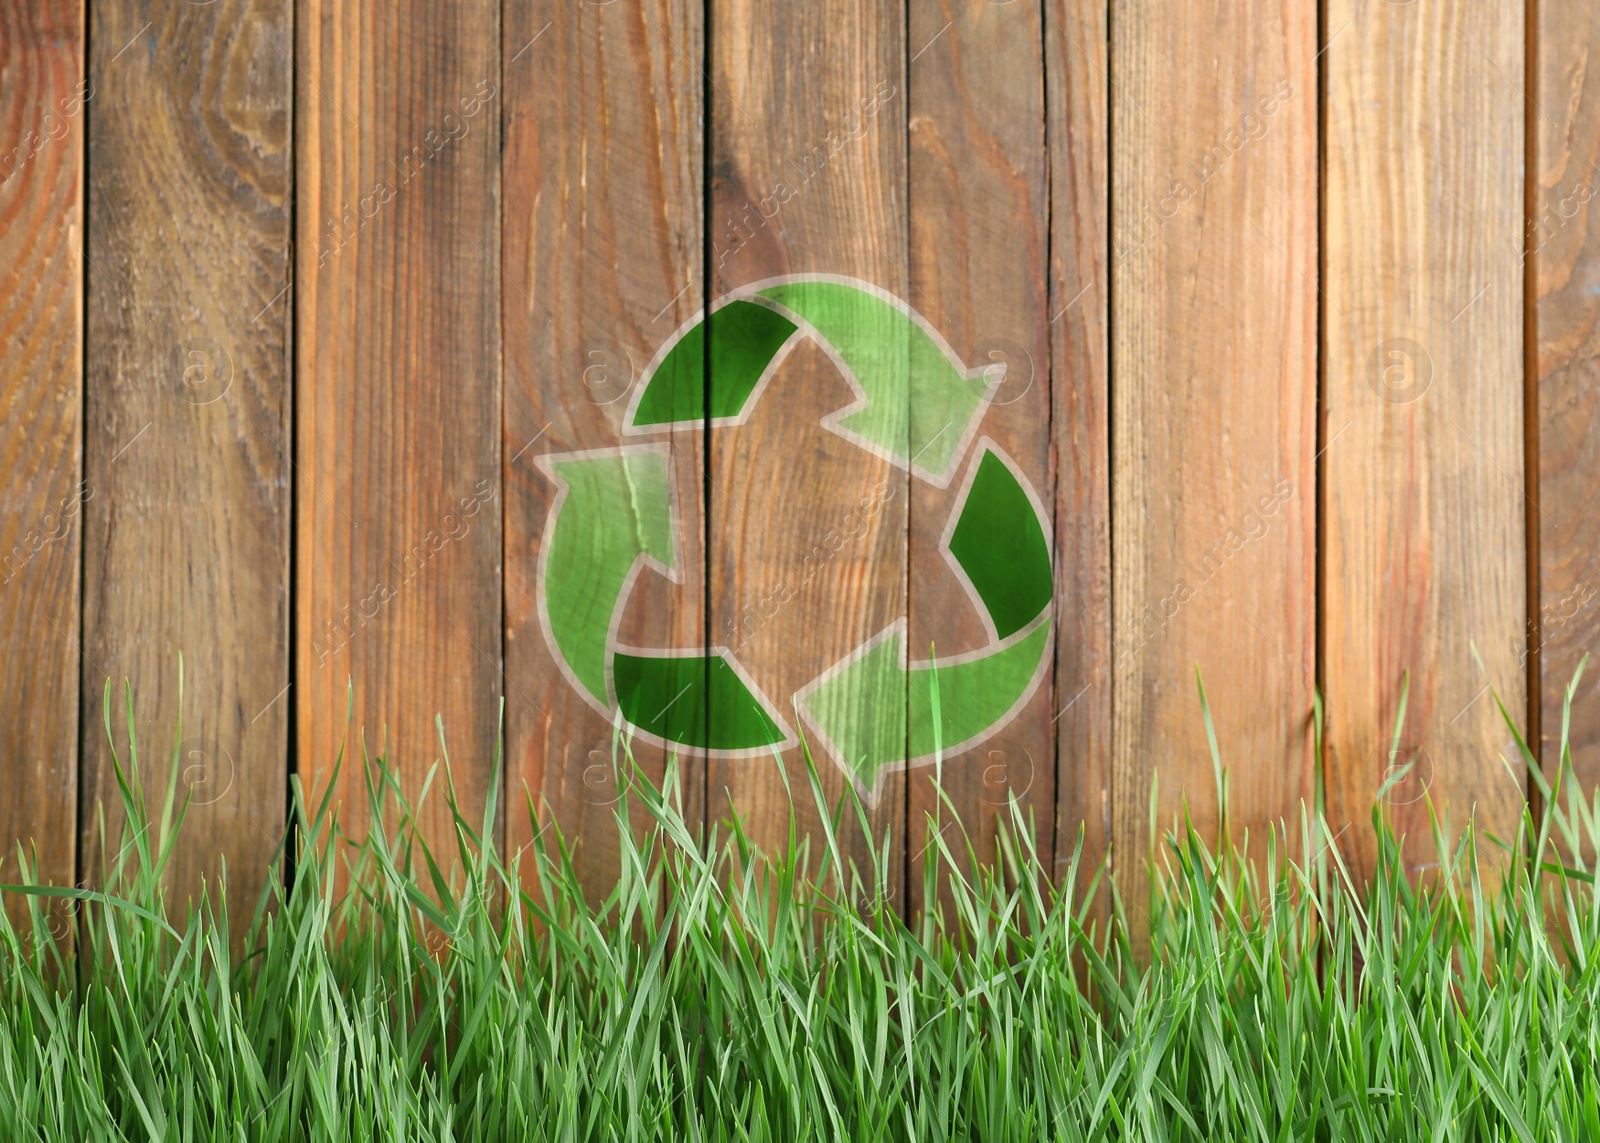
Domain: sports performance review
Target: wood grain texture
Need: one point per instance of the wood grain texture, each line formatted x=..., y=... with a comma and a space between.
x=1564, y=246
x=42, y=93
x=604, y=261
x=978, y=203
x=808, y=168
x=1080, y=215
x=398, y=443
x=1214, y=233
x=1422, y=346
x=187, y=534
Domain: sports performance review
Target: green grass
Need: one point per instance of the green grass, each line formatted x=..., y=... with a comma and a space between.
x=713, y=997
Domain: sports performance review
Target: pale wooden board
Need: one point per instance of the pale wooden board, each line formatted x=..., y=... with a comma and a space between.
x=783, y=77
x=602, y=250
x=978, y=205
x=1564, y=250
x=1213, y=419
x=1424, y=505
x=42, y=95
x=186, y=539
x=1079, y=145
x=398, y=541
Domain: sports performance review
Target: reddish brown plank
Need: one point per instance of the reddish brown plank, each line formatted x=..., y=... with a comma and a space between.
x=1214, y=255
x=978, y=207
x=603, y=255
x=186, y=539
x=398, y=443
x=1564, y=249
x=1423, y=508
x=808, y=161
x=1076, y=86
x=43, y=91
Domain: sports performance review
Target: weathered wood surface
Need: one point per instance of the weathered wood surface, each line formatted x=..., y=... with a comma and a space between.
x=187, y=417
x=1214, y=255
x=43, y=89
x=978, y=207
x=807, y=146
x=1255, y=406
x=1077, y=106
x=1423, y=497
x=1564, y=253
x=603, y=257
x=398, y=541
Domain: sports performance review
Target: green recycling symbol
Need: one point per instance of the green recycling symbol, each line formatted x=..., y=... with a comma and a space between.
x=916, y=405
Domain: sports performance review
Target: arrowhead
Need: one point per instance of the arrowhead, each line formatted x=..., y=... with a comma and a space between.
x=857, y=708
x=919, y=406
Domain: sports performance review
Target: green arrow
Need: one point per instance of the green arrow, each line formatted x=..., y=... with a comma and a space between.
x=973, y=695
x=921, y=405
x=744, y=338
x=614, y=509
x=860, y=706
x=876, y=712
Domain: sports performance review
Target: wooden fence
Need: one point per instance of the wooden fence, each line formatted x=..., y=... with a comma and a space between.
x=316, y=314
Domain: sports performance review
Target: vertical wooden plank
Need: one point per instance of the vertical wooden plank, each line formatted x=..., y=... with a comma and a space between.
x=808, y=536
x=1564, y=246
x=42, y=100
x=1214, y=248
x=603, y=252
x=978, y=206
x=1080, y=215
x=1423, y=498
x=398, y=299
x=187, y=534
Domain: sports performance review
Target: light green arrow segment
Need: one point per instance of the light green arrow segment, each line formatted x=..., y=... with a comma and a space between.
x=920, y=407
x=875, y=711
x=862, y=708
x=615, y=509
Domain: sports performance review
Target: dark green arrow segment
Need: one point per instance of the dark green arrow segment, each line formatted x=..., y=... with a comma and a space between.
x=745, y=337
x=863, y=706
x=1000, y=544
x=617, y=510
x=673, y=698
